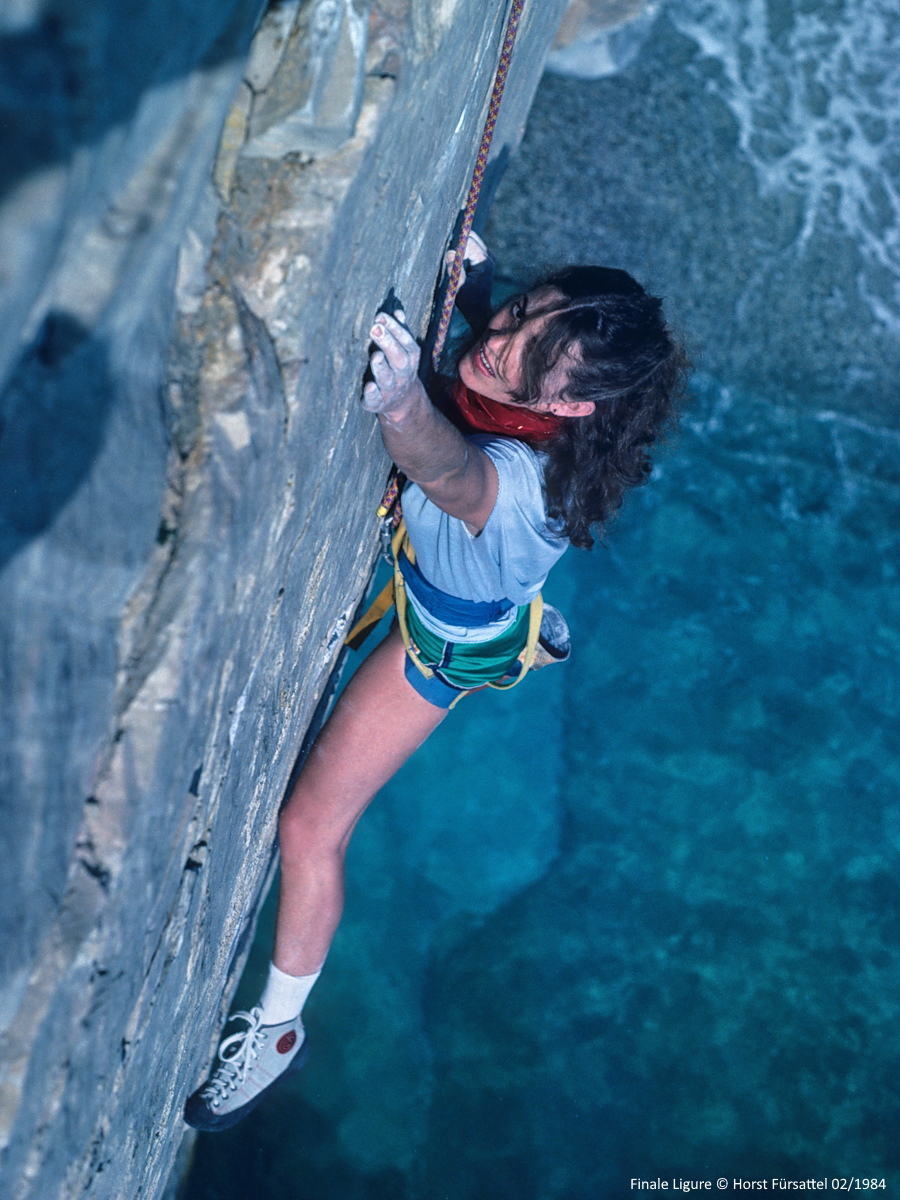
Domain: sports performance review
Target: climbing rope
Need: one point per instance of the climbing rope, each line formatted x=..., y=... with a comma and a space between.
x=512, y=26
x=391, y=495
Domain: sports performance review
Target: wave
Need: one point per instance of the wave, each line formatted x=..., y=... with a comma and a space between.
x=816, y=97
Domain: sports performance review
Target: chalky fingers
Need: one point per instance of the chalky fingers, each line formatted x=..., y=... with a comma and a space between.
x=394, y=364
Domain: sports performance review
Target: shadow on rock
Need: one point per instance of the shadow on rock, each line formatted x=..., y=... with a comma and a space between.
x=53, y=417
x=66, y=81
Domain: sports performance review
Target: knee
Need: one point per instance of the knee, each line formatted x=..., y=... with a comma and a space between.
x=304, y=833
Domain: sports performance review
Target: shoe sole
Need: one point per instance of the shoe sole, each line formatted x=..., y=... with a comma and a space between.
x=200, y=1117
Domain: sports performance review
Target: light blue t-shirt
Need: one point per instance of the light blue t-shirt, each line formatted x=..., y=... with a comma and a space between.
x=509, y=559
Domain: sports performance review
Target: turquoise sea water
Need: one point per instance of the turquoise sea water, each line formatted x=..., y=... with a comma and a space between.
x=639, y=917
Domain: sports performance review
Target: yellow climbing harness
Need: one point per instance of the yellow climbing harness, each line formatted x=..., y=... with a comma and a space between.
x=393, y=594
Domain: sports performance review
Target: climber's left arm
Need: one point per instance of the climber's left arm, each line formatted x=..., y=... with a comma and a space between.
x=476, y=282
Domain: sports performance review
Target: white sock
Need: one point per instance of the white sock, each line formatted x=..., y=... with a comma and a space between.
x=284, y=995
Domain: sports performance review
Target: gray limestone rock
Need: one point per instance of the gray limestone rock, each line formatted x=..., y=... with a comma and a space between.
x=600, y=37
x=187, y=495
x=311, y=100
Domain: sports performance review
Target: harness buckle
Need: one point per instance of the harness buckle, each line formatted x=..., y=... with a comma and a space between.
x=386, y=534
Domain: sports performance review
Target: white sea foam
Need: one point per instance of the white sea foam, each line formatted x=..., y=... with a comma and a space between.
x=816, y=96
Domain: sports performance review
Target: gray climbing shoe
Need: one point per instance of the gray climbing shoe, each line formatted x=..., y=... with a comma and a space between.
x=554, y=644
x=251, y=1062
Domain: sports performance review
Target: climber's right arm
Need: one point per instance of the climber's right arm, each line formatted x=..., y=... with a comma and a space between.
x=455, y=474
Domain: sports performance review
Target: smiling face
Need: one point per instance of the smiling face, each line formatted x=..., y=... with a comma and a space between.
x=493, y=366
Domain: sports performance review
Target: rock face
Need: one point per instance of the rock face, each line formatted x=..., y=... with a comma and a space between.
x=196, y=231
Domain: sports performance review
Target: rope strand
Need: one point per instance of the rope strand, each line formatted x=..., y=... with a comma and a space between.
x=512, y=26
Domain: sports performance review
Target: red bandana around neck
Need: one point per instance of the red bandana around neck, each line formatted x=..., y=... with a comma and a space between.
x=490, y=416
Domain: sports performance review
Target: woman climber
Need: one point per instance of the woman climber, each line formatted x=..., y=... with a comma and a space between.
x=548, y=423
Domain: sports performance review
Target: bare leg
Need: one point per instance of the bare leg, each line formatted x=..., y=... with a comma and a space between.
x=374, y=728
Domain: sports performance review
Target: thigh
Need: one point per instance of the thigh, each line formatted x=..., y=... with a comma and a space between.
x=376, y=724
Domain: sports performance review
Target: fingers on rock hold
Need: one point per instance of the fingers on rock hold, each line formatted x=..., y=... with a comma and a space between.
x=476, y=250
x=371, y=396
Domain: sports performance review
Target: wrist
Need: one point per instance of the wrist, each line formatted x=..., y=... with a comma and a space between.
x=398, y=418
x=405, y=407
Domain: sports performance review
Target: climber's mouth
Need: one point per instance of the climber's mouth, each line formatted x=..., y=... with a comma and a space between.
x=481, y=361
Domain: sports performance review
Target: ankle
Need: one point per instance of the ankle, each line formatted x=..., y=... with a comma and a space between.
x=284, y=995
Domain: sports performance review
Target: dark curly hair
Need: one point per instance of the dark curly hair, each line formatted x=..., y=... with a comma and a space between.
x=630, y=366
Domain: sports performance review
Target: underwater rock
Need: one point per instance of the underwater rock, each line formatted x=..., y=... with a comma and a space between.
x=186, y=510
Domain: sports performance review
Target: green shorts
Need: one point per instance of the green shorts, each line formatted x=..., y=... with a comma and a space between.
x=462, y=666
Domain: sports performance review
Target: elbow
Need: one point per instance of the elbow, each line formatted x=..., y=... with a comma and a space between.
x=432, y=475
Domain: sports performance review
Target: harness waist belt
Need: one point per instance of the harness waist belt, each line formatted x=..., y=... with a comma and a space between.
x=451, y=610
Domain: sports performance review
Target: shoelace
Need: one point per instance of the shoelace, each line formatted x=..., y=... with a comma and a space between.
x=237, y=1054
